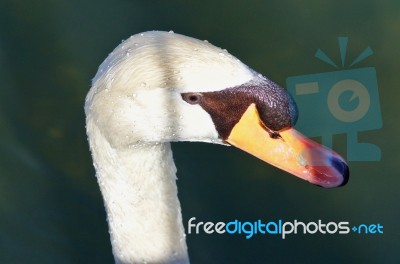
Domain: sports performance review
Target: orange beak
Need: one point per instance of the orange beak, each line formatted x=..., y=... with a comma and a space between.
x=292, y=152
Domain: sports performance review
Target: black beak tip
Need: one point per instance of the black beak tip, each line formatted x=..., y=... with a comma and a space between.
x=342, y=168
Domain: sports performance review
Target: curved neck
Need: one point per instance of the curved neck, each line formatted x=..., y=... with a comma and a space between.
x=140, y=196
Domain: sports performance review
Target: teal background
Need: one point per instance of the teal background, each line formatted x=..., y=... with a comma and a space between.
x=316, y=118
x=51, y=210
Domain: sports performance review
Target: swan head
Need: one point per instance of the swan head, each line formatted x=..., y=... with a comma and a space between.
x=161, y=87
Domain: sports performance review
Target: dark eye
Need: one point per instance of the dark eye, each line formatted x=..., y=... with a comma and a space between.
x=192, y=98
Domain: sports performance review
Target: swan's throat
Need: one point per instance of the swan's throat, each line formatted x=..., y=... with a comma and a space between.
x=140, y=196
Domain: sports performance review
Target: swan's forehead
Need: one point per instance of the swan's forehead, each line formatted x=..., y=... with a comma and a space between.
x=161, y=59
x=276, y=108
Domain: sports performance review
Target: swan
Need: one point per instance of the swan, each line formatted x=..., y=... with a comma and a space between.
x=157, y=87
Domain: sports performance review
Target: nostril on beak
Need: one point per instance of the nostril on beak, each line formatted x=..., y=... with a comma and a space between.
x=342, y=168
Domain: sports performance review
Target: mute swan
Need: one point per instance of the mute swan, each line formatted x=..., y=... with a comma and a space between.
x=157, y=87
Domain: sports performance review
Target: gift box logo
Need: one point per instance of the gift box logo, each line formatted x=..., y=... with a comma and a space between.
x=338, y=102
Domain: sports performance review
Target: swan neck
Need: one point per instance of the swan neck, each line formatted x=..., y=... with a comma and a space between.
x=140, y=195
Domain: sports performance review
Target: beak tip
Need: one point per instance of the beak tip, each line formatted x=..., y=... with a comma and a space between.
x=334, y=173
x=342, y=168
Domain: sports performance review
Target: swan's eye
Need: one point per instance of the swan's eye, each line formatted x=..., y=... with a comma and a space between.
x=192, y=98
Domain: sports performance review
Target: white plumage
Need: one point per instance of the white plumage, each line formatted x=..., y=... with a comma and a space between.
x=138, y=104
x=133, y=110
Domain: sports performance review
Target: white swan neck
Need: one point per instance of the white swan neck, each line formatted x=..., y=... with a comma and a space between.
x=140, y=195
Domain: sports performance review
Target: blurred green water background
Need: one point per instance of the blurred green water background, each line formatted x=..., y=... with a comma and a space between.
x=51, y=210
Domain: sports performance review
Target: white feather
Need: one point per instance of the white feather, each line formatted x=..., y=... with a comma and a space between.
x=133, y=110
